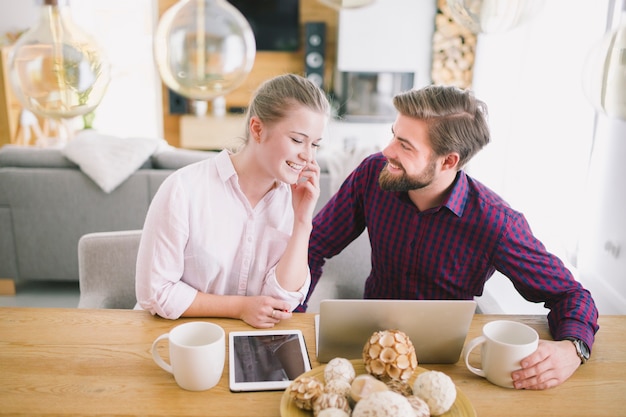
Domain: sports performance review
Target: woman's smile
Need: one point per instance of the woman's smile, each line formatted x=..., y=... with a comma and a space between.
x=294, y=166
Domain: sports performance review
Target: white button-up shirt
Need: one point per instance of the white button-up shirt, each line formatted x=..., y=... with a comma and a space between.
x=201, y=234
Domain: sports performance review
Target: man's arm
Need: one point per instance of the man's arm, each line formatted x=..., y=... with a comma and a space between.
x=540, y=276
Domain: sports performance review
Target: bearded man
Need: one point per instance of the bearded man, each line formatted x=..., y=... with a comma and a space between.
x=437, y=233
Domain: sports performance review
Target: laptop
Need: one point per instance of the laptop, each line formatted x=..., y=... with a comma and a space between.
x=437, y=328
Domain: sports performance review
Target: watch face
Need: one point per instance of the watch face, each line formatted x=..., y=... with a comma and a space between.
x=581, y=348
x=584, y=350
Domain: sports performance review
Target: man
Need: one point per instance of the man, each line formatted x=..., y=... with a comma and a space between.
x=437, y=233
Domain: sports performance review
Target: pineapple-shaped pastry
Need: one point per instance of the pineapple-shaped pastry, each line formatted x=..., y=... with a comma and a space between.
x=389, y=354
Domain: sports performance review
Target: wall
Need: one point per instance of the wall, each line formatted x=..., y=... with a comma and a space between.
x=16, y=15
x=602, y=248
x=601, y=259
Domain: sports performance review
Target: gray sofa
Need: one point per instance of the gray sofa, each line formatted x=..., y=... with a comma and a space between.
x=47, y=203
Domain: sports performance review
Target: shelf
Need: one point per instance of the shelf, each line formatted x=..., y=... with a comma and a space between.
x=212, y=133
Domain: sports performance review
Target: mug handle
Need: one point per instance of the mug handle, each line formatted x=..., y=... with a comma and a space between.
x=474, y=343
x=157, y=358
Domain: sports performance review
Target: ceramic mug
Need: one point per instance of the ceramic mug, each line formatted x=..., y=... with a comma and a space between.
x=504, y=344
x=197, y=353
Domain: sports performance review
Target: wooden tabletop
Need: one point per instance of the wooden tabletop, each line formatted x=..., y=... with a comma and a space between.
x=78, y=362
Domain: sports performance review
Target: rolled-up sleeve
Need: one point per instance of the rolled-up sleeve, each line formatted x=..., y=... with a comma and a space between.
x=272, y=288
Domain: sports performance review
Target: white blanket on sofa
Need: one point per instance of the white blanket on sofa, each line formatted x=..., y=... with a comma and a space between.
x=110, y=160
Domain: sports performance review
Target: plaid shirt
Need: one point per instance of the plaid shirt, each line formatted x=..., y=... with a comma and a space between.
x=447, y=252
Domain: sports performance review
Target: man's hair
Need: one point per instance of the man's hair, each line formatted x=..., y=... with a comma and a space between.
x=457, y=121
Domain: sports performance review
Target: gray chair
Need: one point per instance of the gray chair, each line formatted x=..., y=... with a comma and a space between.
x=106, y=269
x=107, y=260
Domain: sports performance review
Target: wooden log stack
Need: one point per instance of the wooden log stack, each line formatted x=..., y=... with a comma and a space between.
x=454, y=48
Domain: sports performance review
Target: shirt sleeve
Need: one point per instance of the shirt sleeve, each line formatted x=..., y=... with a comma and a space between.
x=160, y=260
x=294, y=298
x=540, y=276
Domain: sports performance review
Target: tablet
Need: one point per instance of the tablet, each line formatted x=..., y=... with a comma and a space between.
x=265, y=360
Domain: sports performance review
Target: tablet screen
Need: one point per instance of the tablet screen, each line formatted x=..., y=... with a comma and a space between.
x=266, y=360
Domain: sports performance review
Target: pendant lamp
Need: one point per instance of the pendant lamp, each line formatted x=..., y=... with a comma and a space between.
x=203, y=48
x=56, y=69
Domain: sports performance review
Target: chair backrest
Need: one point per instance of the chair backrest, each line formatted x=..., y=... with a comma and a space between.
x=106, y=269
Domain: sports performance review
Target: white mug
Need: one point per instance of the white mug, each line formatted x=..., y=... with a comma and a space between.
x=197, y=353
x=504, y=344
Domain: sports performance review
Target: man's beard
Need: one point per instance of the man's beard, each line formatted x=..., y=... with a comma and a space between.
x=404, y=182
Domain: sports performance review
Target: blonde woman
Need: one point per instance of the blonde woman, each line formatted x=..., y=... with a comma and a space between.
x=228, y=237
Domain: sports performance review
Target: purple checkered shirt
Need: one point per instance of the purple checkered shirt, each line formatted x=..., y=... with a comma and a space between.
x=447, y=252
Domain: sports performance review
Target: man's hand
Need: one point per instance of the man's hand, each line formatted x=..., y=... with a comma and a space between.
x=550, y=365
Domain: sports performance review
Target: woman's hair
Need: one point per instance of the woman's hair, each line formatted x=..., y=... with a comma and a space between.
x=277, y=96
x=457, y=121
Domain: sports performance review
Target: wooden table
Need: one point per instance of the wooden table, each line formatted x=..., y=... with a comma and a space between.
x=78, y=362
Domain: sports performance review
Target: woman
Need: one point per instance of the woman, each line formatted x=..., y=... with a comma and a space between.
x=228, y=237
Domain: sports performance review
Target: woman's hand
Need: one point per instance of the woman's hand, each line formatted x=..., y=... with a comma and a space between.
x=306, y=192
x=263, y=311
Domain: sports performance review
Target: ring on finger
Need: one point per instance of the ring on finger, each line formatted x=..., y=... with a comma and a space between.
x=273, y=312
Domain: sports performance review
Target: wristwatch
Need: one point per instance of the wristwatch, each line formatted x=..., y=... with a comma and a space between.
x=582, y=350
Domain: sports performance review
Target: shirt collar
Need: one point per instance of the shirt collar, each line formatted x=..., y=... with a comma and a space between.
x=225, y=167
x=457, y=199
